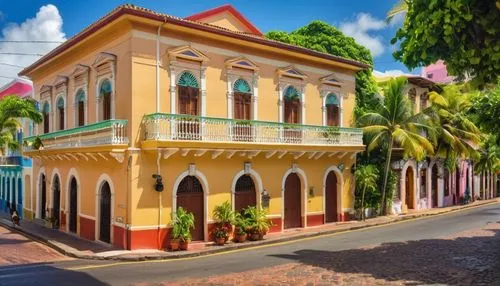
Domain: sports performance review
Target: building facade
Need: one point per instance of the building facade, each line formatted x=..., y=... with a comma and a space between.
x=15, y=170
x=206, y=102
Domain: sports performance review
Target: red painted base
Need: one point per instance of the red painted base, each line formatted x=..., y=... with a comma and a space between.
x=87, y=228
x=276, y=225
x=344, y=216
x=316, y=219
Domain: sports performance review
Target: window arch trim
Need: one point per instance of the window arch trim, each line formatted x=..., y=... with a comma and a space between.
x=188, y=79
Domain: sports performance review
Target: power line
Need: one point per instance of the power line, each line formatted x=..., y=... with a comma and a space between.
x=21, y=54
x=12, y=65
x=32, y=42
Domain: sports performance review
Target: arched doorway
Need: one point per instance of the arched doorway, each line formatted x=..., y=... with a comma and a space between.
x=457, y=187
x=434, y=186
x=73, y=203
x=56, y=203
x=244, y=193
x=43, y=196
x=331, y=214
x=105, y=213
x=190, y=197
x=410, y=191
x=293, y=206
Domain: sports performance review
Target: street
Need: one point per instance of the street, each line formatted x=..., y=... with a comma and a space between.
x=460, y=248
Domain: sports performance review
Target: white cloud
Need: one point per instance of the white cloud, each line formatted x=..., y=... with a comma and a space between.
x=45, y=26
x=388, y=73
x=397, y=20
x=360, y=28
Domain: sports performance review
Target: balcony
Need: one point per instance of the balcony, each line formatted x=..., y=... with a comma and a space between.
x=108, y=132
x=174, y=127
x=15, y=161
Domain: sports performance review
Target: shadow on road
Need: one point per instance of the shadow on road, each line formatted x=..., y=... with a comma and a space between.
x=44, y=274
x=460, y=261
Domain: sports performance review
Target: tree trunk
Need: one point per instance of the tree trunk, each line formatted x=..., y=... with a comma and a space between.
x=386, y=175
x=363, y=204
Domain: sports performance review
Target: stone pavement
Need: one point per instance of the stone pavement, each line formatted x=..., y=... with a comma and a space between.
x=18, y=249
x=471, y=257
x=77, y=247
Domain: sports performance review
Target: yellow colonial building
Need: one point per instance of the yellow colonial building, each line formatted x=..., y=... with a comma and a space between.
x=207, y=103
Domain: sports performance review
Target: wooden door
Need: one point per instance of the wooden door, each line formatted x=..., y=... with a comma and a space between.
x=56, y=210
x=43, y=196
x=190, y=197
x=293, y=205
x=106, y=106
x=242, y=108
x=331, y=198
x=46, y=123
x=188, y=128
x=61, y=118
x=457, y=187
x=73, y=203
x=105, y=214
x=81, y=113
x=434, y=178
x=332, y=115
x=244, y=195
x=409, y=188
x=291, y=113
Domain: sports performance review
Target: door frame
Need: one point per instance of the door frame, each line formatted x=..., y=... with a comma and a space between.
x=402, y=185
x=340, y=187
x=303, y=196
x=38, y=206
x=97, y=228
x=50, y=188
x=192, y=171
x=258, y=186
x=73, y=173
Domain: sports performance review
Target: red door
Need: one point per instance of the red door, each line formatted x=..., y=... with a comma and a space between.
x=293, y=206
x=331, y=197
x=188, y=128
x=244, y=195
x=190, y=197
x=242, y=106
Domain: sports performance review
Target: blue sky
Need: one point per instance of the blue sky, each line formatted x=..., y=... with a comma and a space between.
x=363, y=19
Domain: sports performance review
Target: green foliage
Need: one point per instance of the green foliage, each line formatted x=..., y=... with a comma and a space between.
x=242, y=224
x=465, y=34
x=325, y=38
x=12, y=108
x=182, y=224
x=489, y=156
x=366, y=181
x=485, y=110
x=257, y=219
x=223, y=214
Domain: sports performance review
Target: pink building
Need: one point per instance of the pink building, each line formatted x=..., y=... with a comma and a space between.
x=20, y=87
x=438, y=73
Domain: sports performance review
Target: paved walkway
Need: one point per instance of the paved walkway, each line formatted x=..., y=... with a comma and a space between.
x=74, y=246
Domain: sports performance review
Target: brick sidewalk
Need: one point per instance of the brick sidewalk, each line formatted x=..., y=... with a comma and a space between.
x=77, y=247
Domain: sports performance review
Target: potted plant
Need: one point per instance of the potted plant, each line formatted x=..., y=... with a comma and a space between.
x=241, y=228
x=51, y=222
x=176, y=234
x=224, y=216
x=221, y=235
x=258, y=222
x=182, y=223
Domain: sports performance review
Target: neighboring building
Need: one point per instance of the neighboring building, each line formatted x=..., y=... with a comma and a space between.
x=15, y=170
x=428, y=184
x=220, y=112
x=438, y=73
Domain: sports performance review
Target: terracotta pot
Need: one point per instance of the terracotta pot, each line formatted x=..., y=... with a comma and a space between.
x=184, y=245
x=241, y=237
x=220, y=240
x=261, y=235
x=254, y=236
x=174, y=244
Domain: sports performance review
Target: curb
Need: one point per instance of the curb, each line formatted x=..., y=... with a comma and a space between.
x=234, y=246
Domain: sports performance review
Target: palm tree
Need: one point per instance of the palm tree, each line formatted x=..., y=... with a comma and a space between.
x=395, y=123
x=489, y=156
x=11, y=109
x=366, y=179
x=399, y=8
x=455, y=135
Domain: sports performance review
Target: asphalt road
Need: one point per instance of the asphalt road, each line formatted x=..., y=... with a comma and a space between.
x=82, y=272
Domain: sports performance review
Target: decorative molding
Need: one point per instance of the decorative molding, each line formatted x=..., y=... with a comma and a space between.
x=119, y=156
x=187, y=53
x=291, y=71
x=242, y=63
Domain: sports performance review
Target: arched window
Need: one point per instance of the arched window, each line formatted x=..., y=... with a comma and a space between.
x=244, y=193
x=291, y=100
x=188, y=91
x=60, y=113
x=105, y=90
x=242, y=100
x=46, y=120
x=80, y=107
x=412, y=94
x=332, y=110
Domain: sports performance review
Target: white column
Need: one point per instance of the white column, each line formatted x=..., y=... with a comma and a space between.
x=280, y=103
x=341, y=110
x=203, y=81
x=173, y=85
x=323, y=109
x=229, y=95
x=303, y=107
x=255, y=107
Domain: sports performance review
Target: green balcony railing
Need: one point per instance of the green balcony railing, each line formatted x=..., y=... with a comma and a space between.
x=168, y=127
x=108, y=132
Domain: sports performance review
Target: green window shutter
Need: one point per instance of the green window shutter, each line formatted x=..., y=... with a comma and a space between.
x=291, y=93
x=332, y=99
x=105, y=88
x=188, y=79
x=80, y=96
x=60, y=103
